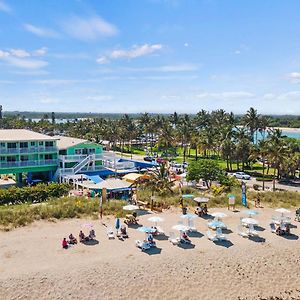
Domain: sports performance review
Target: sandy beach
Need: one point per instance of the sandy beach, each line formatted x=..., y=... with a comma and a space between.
x=34, y=266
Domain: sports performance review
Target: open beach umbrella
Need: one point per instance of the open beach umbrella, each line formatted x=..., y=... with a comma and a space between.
x=118, y=223
x=219, y=215
x=249, y=221
x=283, y=211
x=180, y=227
x=216, y=224
x=184, y=196
x=188, y=216
x=146, y=229
x=155, y=219
x=201, y=200
x=250, y=212
x=130, y=207
x=87, y=225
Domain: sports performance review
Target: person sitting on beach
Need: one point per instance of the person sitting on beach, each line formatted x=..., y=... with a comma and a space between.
x=287, y=228
x=297, y=218
x=278, y=230
x=150, y=240
x=204, y=209
x=124, y=231
x=82, y=237
x=64, y=243
x=92, y=234
x=185, y=237
x=72, y=239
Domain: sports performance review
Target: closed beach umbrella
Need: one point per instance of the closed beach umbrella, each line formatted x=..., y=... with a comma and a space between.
x=216, y=224
x=130, y=207
x=219, y=215
x=180, y=227
x=282, y=211
x=187, y=196
x=117, y=223
x=249, y=221
x=250, y=212
x=188, y=216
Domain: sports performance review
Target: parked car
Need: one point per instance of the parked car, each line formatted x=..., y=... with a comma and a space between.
x=148, y=158
x=241, y=175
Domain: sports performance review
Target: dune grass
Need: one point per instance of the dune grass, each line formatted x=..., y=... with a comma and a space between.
x=20, y=215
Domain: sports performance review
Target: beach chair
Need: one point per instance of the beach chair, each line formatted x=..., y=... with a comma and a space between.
x=252, y=231
x=211, y=236
x=241, y=232
x=142, y=245
x=191, y=226
x=174, y=240
x=110, y=233
x=273, y=228
x=219, y=235
x=159, y=230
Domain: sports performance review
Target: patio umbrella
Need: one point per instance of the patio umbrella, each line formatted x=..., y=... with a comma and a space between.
x=155, y=219
x=201, y=200
x=250, y=212
x=283, y=211
x=146, y=229
x=87, y=225
x=187, y=196
x=117, y=224
x=188, y=216
x=130, y=207
x=249, y=221
x=219, y=215
x=216, y=224
x=180, y=227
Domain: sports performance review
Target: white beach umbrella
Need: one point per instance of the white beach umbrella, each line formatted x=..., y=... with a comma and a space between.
x=180, y=227
x=219, y=215
x=155, y=219
x=130, y=207
x=283, y=211
x=249, y=221
x=201, y=200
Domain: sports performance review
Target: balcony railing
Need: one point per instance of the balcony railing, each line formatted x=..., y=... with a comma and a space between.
x=28, y=150
x=77, y=158
x=29, y=163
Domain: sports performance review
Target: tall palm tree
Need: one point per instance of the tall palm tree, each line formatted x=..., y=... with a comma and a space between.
x=251, y=121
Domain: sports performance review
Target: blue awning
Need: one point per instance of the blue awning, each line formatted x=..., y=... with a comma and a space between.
x=95, y=178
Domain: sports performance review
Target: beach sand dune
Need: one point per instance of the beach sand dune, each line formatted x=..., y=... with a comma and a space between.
x=33, y=265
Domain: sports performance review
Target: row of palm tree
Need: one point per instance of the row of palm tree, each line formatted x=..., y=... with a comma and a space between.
x=239, y=141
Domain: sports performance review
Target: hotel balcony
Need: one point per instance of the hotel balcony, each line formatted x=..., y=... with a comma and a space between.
x=28, y=150
x=29, y=163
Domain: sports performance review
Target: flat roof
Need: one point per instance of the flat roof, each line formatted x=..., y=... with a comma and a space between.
x=15, y=135
x=64, y=142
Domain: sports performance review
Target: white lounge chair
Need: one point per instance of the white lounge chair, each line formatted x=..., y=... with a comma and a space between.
x=252, y=231
x=142, y=245
x=219, y=235
x=191, y=226
x=273, y=228
x=159, y=230
x=241, y=232
x=174, y=240
x=211, y=236
x=110, y=233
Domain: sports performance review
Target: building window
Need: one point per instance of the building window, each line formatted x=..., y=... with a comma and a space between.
x=3, y=158
x=78, y=151
x=23, y=145
x=41, y=143
x=12, y=145
x=49, y=144
x=32, y=144
x=11, y=158
x=48, y=156
x=92, y=151
x=24, y=158
x=2, y=145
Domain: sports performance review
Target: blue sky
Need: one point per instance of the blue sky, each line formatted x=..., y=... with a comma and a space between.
x=150, y=55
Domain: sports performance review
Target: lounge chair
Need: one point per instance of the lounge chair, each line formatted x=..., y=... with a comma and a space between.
x=159, y=230
x=273, y=228
x=241, y=232
x=211, y=236
x=219, y=235
x=191, y=226
x=252, y=231
x=142, y=245
x=110, y=233
x=174, y=240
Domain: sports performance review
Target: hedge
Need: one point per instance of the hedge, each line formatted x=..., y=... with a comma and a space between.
x=35, y=194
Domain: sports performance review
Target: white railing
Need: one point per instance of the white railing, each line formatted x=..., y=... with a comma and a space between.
x=79, y=157
x=27, y=150
x=29, y=163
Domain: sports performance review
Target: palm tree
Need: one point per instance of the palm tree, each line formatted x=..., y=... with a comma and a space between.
x=251, y=121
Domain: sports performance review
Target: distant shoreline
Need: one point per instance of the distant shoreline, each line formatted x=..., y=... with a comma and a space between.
x=288, y=129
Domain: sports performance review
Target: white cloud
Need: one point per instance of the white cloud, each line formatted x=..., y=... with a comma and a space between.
x=4, y=7
x=48, y=100
x=294, y=77
x=19, y=53
x=185, y=44
x=134, y=52
x=237, y=52
x=269, y=96
x=292, y=95
x=40, y=52
x=88, y=29
x=22, y=58
x=100, y=98
x=226, y=95
x=41, y=32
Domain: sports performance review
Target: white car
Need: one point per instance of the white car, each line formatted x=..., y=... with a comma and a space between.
x=241, y=175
